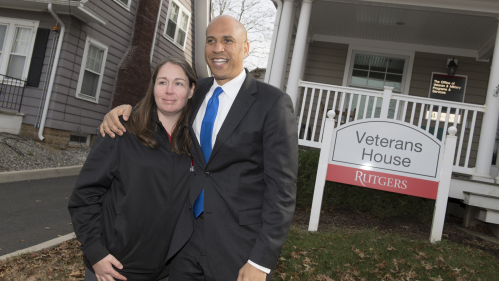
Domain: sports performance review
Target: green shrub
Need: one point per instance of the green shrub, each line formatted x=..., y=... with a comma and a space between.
x=336, y=195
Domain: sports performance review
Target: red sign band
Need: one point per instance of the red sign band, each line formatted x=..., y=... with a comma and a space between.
x=383, y=181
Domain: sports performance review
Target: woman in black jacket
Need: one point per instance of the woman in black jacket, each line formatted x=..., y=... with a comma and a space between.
x=131, y=190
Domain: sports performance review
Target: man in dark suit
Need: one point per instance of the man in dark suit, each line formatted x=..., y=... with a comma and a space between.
x=245, y=150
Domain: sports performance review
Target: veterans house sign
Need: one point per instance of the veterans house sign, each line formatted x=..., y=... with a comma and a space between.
x=388, y=155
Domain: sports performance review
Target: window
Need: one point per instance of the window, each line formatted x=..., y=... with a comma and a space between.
x=92, y=70
x=177, y=24
x=16, y=46
x=124, y=3
x=375, y=71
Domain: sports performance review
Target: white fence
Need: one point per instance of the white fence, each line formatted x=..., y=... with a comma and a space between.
x=351, y=104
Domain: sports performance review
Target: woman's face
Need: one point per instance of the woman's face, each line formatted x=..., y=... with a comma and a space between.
x=172, y=90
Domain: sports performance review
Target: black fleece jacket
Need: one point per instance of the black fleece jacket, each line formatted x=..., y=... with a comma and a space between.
x=127, y=201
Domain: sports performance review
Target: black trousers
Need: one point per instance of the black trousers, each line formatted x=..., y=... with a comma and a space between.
x=191, y=263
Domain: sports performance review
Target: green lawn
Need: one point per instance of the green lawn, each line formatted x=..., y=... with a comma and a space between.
x=374, y=255
x=340, y=254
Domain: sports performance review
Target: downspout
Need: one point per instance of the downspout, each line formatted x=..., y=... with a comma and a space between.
x=52, y=74
x=274, y=38
x=156, y=29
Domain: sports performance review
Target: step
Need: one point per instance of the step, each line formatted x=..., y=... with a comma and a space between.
x=487, y=215
x=482, y=201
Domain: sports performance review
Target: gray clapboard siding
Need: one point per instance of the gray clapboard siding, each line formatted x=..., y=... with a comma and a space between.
x=163, y=47
x=66, y=112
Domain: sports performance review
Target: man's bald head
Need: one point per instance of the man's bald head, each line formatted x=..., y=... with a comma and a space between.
x=226, y=47
x=232, y=21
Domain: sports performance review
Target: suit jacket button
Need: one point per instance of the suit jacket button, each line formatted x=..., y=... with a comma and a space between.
x=190, y=207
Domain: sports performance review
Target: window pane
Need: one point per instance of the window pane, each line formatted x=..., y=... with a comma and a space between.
x=396, y=66
x=376, y=79
x=394, y=81
x=3, y=31
x=378, y=63
x=89, y=84
x=16, y=66
x=94, y=59
x=183, y=21
x=170, y=30
x=21, y=42
x=174, y=12
x=359, y=77
x=361, y=61
x=181, y=37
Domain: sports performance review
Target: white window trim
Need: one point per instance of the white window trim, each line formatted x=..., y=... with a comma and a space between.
x=82, y=70
x=126, y=7
x=12, y=23
x=407, y=55
x=181, y=9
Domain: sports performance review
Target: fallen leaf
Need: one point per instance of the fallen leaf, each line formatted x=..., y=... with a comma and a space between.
x=37, y=201
x=322, y=277
x=47, y=228
x=390, y=248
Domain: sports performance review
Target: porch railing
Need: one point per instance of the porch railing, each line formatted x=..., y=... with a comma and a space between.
x=352, y=104
x=11, y=92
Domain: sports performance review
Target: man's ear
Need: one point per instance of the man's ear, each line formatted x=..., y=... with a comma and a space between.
x=246, y=48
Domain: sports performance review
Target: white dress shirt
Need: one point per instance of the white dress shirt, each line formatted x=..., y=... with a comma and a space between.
x=225, y=99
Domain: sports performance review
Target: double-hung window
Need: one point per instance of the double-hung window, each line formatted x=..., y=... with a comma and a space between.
x=177, y=24
x=92, y=70
x=16, y=46
x=374, y=71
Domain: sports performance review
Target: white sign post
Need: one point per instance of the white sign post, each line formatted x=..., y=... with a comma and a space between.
x=387, y=155
x=320, y=180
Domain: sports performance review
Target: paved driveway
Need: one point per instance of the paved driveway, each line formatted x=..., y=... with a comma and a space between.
x=28, y=208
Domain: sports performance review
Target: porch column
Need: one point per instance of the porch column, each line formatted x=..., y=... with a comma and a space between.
x=281, y=44
x=489, y=124
x=299, y=51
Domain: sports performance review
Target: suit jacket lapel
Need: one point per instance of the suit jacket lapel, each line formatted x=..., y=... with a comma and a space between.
x=197, y=100
x=242, y=103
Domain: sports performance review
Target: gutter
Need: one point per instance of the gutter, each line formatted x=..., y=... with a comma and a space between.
x=52, y=74
x=156, y=29
x=277, y=24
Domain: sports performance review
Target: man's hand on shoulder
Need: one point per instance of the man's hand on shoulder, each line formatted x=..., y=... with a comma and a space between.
x=249, y=272
x=111, y=124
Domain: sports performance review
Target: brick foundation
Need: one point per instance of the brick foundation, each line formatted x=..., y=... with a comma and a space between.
x=53, y=137
x=134, y=71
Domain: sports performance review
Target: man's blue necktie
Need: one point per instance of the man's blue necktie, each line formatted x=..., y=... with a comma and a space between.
x=205, y=140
